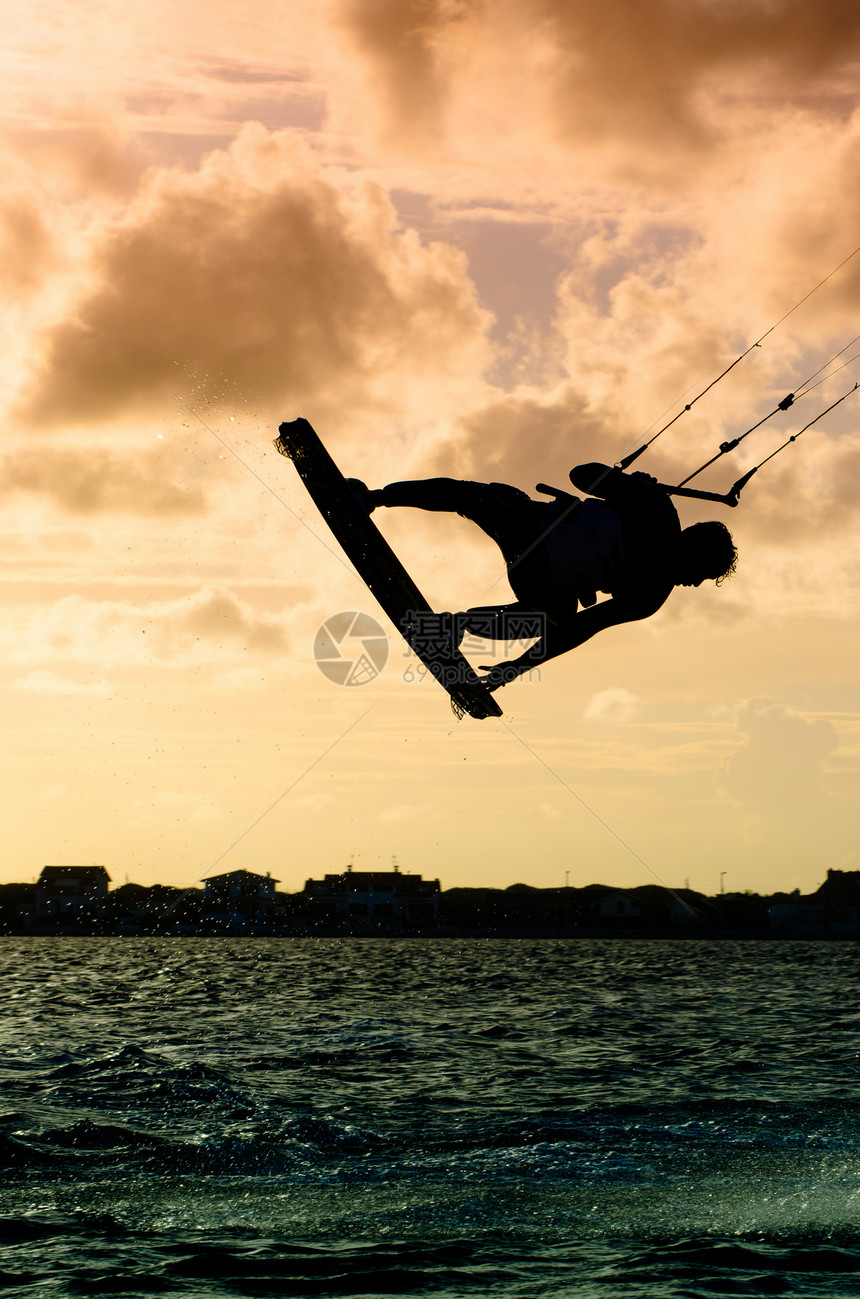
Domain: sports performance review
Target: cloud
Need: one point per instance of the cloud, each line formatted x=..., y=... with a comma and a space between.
x=405, y=812
x=777, y=770
x=88, y=162
x=240, y=73
x=43, y=681
x=654, y=70
x=27, y=252
x=519, y=437
x=95, y=480
x=259, y=268
x=657, y=85
x=811, y=494
x=211, y=624
x=168, y=805
x=398, y=39
x=240, y=679
x=615, y=705
x=52, y=185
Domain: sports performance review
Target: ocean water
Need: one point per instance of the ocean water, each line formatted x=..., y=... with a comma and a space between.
x=224, y=1117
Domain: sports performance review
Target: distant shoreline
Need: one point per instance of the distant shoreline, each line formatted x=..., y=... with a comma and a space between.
x=75, y=901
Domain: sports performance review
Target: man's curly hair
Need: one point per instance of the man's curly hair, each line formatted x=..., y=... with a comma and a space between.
x=711, y=543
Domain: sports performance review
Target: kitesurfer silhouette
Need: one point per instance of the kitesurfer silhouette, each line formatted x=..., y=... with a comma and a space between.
x=625, y=540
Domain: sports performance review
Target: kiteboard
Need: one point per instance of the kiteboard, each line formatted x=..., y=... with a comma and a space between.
x=382, y=572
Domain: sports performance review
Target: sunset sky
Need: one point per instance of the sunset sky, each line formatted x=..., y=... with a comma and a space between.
x=482, y=238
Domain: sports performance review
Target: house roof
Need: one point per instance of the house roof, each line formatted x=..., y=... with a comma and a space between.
x=351, y=881
x=237, y=876
x=91, y=873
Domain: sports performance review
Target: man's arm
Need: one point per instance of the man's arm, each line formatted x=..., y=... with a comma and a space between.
x=608, y=482
x=559, y=639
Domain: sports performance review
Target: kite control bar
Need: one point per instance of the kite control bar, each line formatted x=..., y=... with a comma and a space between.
x=730, y=497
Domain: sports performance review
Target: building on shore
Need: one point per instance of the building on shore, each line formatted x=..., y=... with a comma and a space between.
x=840, y=888
x=71, y=892
x=76, y=899
x=833, y=909
x=239, y=899
x=372, y=902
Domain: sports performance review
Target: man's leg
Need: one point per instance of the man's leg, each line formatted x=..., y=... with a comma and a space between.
x=508, y=622
x=504, y=513
x=511, y=518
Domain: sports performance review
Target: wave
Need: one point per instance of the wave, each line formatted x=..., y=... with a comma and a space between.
x=91, y=1252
